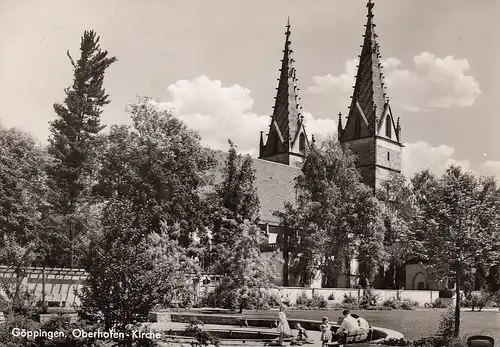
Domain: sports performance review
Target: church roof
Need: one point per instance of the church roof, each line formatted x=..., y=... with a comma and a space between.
x=287, y=119
x=274, y=183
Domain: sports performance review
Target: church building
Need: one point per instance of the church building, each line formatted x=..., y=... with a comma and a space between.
x=370, y=131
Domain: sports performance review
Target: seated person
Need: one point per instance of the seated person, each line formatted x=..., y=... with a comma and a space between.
x=349, y=324
x=363, y=323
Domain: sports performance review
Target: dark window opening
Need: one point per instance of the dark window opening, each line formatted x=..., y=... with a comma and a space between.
x=388, y=127
x=388, y=156
x=302, y=143
x=357, y=126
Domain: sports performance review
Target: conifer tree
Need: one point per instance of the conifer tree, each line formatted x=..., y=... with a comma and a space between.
x=71, y=143
x=237, y=238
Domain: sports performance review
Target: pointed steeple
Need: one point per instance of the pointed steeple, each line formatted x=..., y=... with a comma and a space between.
x=369, y=103
x=287, y=121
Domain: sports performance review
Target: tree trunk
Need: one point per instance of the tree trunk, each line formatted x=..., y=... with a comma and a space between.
x=286, y=264
x=456, y=332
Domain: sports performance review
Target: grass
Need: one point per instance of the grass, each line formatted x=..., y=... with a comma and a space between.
x=412, y=324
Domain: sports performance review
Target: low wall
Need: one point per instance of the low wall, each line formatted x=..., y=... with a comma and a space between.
x=291, y=293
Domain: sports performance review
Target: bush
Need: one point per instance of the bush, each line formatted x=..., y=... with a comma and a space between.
x=405, y=304
x=479, y=301
x=316, y=301
x=438, y=303
x=331, y=296
x=349, y=299
x=273, y=301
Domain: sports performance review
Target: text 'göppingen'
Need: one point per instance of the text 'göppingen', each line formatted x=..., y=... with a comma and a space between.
x=78, y=333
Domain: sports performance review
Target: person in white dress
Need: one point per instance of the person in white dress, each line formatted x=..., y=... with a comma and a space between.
x=283, y=327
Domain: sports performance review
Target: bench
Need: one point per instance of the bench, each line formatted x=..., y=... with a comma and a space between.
x=359, y=335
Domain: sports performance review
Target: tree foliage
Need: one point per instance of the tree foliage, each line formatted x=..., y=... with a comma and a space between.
x=24, y=191
x=462, y=225
x=237, y=239
x=130, y=274
x=158, y=166
x=336, y=216
x=401, y=215
x=71, y=143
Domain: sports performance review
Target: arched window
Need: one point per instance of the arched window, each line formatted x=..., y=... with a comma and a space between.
x=388, y=126
x=302, y=143
x=357, y=126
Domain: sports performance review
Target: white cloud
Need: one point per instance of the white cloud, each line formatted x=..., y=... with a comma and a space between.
x=219, y=112
x=431, y=82
x=421, y=155
x=343, y=82
x=491, y=168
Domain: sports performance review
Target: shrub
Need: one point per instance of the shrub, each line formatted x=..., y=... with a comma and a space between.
x=447, y=325
x=349, y=299
x=301, y=299
x=273, y=300
x=438, y=303
x=316, y=301
x=331, y=296
x=404, y=304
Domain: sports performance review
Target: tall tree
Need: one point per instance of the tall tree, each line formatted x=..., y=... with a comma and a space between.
x=400, y=220
x=159, y=166
x=71, y=143
x=24, y=195
x=235, y=201
x=336, y=216
x=237, y=239
x=462, y=226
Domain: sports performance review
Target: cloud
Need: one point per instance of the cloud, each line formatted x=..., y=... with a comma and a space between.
x=421, y=155
x=431, y=83
x=218, y=112
x=491, y=168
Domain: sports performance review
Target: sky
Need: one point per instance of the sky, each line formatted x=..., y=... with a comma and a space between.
x=216, y=63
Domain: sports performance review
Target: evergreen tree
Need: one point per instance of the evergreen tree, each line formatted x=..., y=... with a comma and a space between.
x=71, y=143
x=236, y=201
x=237, y=239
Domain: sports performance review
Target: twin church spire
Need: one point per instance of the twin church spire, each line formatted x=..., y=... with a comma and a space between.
x=369, y=109
x=286, y=141
x=369, y=112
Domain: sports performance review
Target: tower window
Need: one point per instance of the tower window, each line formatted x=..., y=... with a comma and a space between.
x=357, y=126
x=388, y=156
x=388, y=126
x=302, y=143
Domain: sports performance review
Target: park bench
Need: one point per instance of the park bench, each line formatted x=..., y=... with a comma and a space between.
x=359, y=335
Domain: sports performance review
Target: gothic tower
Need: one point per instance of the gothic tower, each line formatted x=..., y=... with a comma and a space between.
x=286, y=141
x=371, y=131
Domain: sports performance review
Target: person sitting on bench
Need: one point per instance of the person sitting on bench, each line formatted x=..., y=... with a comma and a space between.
x=349, y=324
x=363, y=323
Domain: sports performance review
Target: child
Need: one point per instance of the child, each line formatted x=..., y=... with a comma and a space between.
x=302, y=333
x=326, y=332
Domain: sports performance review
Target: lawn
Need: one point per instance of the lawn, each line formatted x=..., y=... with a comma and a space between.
x=412, y=324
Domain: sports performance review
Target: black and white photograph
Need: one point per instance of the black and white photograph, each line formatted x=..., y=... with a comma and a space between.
x=189, y=173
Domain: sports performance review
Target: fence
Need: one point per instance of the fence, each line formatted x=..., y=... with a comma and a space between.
x=57, y=286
